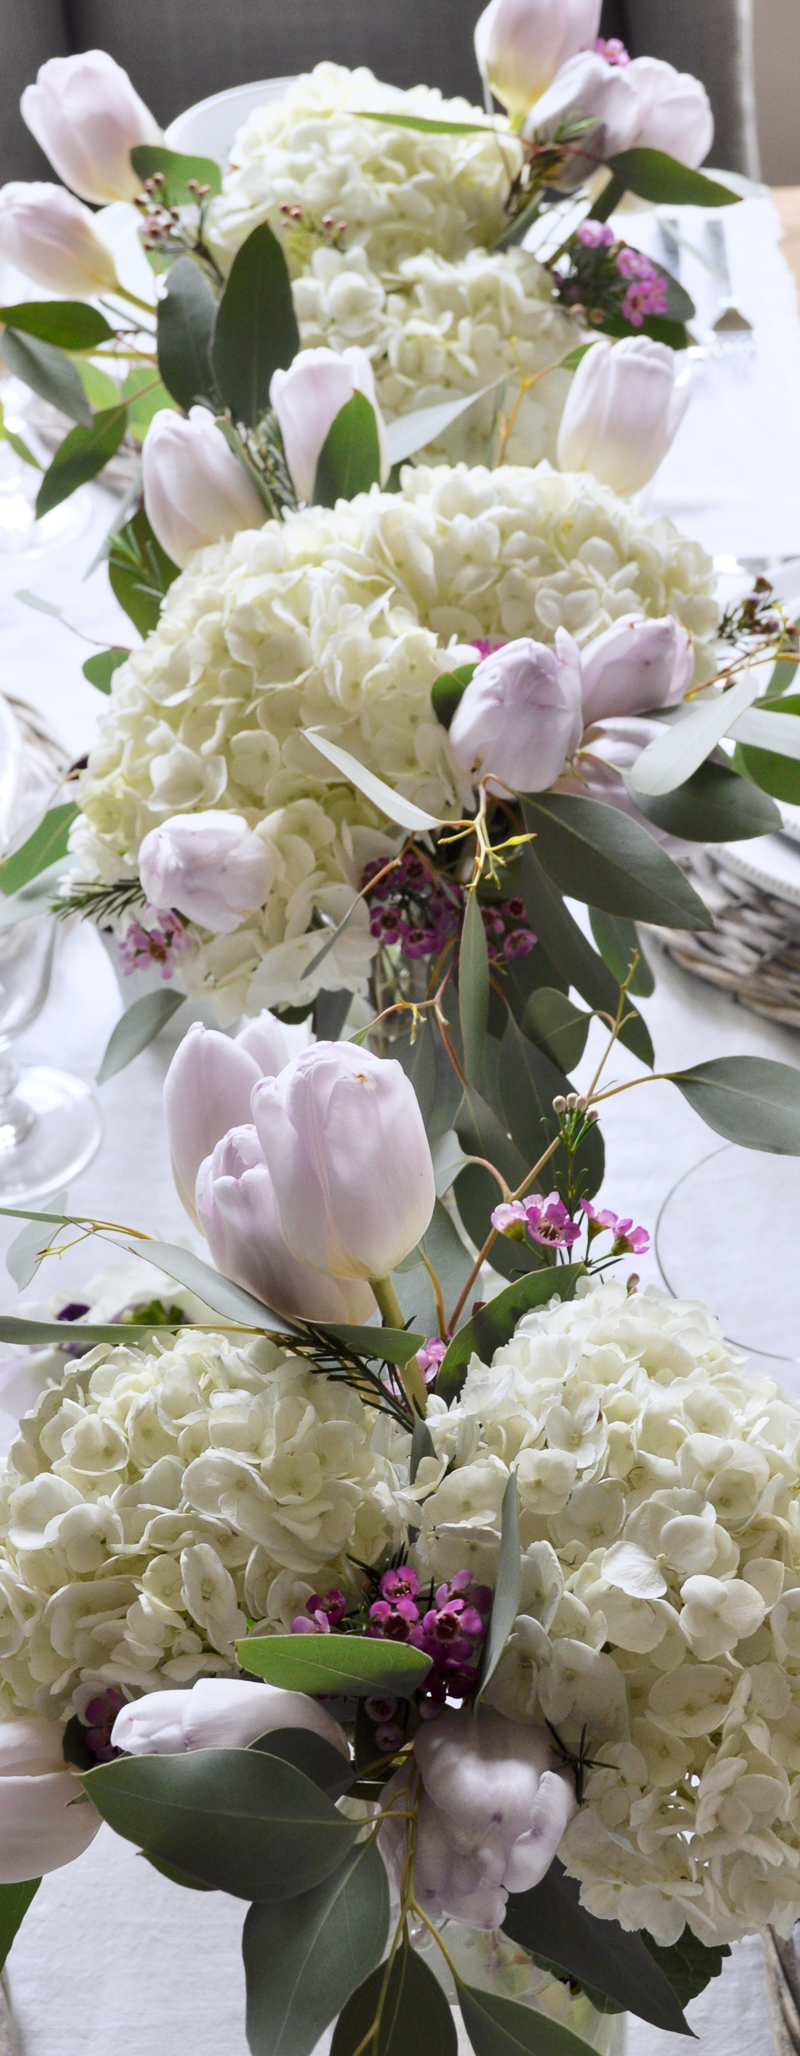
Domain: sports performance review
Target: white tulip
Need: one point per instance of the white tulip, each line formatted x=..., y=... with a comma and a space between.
x=622, y=411
x=209, y=867
x=86, y=117
x=218, y=1713
x=235, y=1203
x=520, y=717
x=53, y=239
x=521, y=44
x=195, y=489
x=41, y=1827
x=345, y=1143
x=674, y=111
x=207, y=1091
x=587, y=88
x=307, y=399
x=634, y=665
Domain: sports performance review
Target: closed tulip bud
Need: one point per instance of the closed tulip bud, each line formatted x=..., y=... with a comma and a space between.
x=520, y=717
x=236, y=1210
x=218, y=1713
x=207, y=1091
x=587, y=89
x=195, y=490
x=53, y=239
x=635, y=665
x=492, y=1813
x=209, y=867
x=307, y=399
x=345, y=1142
x=521, y=44
x=87, y=118
x=674, y=111
x=622, y=411
x=40, y=1827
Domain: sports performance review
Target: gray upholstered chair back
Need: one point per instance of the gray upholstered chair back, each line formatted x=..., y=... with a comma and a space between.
x=179, y=50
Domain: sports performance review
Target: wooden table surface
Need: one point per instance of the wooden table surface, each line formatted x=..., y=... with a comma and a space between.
x=787, y=201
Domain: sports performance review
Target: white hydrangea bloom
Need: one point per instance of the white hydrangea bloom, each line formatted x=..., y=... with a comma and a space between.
x=154, y=1502
x=658, y=1492
x=412, y=278
x=344, y=618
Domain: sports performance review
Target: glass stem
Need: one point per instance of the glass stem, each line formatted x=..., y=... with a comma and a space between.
x=16, y=1118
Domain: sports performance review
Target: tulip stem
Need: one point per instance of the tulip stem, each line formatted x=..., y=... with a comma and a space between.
x=391, y=1314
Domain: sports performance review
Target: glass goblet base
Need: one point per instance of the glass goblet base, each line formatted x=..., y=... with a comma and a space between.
x=50, y=1129
x=727, y=1234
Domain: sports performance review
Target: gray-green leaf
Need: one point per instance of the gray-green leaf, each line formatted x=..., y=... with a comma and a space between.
x=502, y=2027
x=557, y=1026
x=185, y=324
x=473, y=988
x=355, y=1666
x=48, y=372
x=415, y=2019
x=550, y=1921
x=749, y=1100
x=350, y=459
x=303, y=1959
x=256, y=330
x=83, y=453
x=598, y=854
x=138, y=1027
x=505, y=1604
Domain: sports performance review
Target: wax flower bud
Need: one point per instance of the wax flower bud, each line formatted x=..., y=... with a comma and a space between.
x=520, y=717
x=218, y=1713
x=622, y=411
x=207, y=1091
x=521, y=44
x=307, y=399
x=349, y=1159
x=53, y=239
x=235, y=1206
x=87, y=118
x=195, y=490
x=209, y=866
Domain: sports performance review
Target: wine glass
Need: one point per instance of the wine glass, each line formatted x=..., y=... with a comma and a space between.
x=50, y=1121
x=727, y=1234
x=20, y=532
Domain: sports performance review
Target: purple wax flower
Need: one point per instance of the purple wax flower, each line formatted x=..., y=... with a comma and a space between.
x=99, y=1716
x=594, y=235
x=628, y=1240
x=430, y=1358
x=612, y=49
x=161, y=944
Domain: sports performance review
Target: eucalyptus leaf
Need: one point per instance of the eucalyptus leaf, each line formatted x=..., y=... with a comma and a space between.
x=687, y=1964
x=662, y=180
x=14, y=1903
x=237, y=1819
x=100, y=670
x=749, y=1100
x=415, y=2019
x=505, y=1604
x=774, y=774
x=379, y=1345
x=46, y=846
x=138, y=1027
x=66, y=1334
x=412, y=432
x=177, y=169
x=401, y=810
x=503, y=2027
x=83, y=453
x=494, y=1325
x=256, y=330
x=354, y=1666
x=529, y=1083
x=714, y=805
x=568, y=948
x=473, y=988
x=598, y=854
x=174, y=1875
x=311, y=1754
x=767, y=728
x=418, y=1059
x=221, y=1294
x=482, y=1133
x=685, y=743
x=428, y=127
x=618, y=943
x=144, y=398
x=185, y=324
x=303, y=1959
x=48, y=372
x=550, y=1921
x=69, y=324
x=422, y=1444
x=448, y=690
x=350, y=459
x=25, y=1253
x=557, y=1026
x=139, y=571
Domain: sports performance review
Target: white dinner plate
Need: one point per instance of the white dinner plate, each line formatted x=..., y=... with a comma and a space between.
x=208, y=128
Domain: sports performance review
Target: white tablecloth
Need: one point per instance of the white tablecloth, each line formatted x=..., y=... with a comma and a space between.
x=110, y=1956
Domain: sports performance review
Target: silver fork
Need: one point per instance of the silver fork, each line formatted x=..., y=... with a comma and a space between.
x=730, y=330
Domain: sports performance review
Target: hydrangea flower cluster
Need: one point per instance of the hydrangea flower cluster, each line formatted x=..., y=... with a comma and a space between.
x=154, y=1503
x=660, y=1597
x=606, y=280
x=418, y=910
x=388, y=234
x=344, y=618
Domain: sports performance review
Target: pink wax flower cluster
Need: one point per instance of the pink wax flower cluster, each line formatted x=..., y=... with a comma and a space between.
x=612, y=49
x=647, y=290
x=323, y=1613
x=607, y=281
x=628, y=1240
x=420, y=912
x=596, y=235
x=141, y=948
x=430, y=1358
x=451, y=1630
x=546, y=1221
